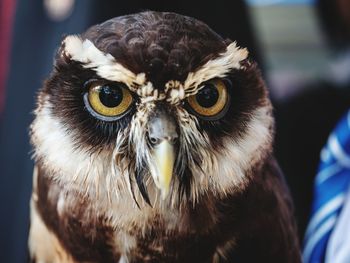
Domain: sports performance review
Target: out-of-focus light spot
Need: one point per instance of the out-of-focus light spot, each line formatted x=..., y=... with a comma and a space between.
x=59, y=10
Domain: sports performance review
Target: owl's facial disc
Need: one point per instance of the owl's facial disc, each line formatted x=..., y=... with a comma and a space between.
x=163, y=135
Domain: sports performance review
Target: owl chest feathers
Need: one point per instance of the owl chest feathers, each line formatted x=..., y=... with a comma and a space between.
x=89, y=229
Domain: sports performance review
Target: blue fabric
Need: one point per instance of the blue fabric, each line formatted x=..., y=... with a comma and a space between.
x=331, y=185
x=338, y=247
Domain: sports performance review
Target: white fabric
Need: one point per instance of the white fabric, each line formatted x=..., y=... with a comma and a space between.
x=338, y=248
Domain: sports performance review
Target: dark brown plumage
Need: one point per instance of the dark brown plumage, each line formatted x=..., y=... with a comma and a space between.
x=226, y=200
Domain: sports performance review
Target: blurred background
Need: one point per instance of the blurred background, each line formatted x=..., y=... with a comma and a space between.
x=302, y=47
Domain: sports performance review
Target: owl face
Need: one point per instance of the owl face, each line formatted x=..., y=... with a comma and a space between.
x=153, y=104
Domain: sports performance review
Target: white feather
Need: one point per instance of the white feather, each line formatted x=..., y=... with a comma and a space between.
x=104, y=64
x=216, y=68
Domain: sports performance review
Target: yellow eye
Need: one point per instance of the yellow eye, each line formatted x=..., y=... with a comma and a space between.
x=108, y=101
x=211, y=100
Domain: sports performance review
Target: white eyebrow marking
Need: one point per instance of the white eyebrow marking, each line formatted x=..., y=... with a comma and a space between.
x=107, y=67
x=215, y=68
x=104, y=64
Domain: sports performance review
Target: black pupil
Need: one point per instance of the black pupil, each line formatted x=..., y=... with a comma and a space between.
x=208, y=96
x=111, y=96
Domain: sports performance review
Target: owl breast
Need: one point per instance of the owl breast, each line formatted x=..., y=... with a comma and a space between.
x=87, y=232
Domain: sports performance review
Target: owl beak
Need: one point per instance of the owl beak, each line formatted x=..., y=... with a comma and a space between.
x=164, y=159
x=162, y=134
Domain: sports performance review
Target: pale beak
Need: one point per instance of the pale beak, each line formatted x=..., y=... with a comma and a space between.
x=162, y=134
x=164, y=158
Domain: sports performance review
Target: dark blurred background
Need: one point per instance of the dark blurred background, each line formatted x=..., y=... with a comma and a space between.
x=302, y=47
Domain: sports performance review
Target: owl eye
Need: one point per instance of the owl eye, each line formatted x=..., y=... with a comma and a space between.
x=211, y=101
x=108, y=101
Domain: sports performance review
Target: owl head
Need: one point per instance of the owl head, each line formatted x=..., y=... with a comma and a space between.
x=153, y=106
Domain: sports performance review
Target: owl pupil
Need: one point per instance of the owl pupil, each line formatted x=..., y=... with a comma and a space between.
x=207, y=96
x=111, y=96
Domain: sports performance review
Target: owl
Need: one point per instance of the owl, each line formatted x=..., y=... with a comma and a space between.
x=152, y=142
